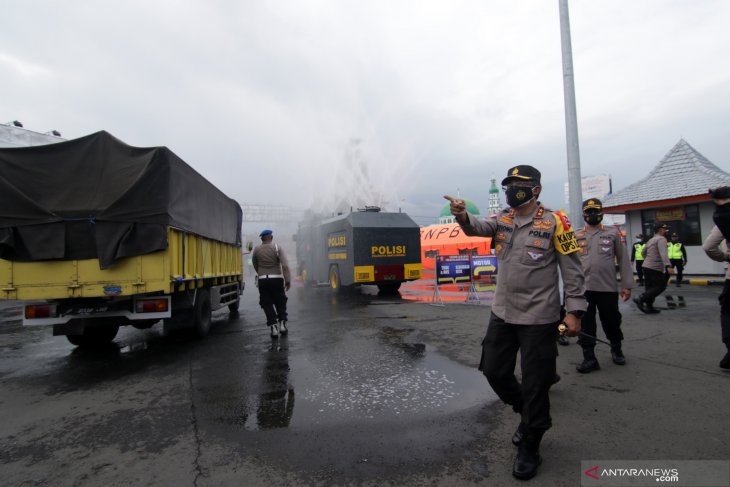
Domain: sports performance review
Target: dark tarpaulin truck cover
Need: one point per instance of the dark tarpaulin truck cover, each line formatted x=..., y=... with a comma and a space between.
x=97, y=197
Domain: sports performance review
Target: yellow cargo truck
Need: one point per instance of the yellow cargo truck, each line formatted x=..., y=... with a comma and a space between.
x=96, y=234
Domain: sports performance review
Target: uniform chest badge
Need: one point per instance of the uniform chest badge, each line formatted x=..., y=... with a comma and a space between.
x=606, y=241
x=606, y=249
x=535, y=255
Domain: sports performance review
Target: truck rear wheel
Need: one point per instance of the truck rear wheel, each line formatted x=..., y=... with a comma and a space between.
x=201, y=313
x=389, y=287
x=335, y=283
x=233, y=307
x=95, y=334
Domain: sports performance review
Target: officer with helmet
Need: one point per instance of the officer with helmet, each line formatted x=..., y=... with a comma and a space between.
x=531, y=244
x=274, y=279
x=601, y=248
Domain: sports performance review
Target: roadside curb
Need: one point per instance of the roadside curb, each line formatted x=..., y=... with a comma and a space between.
x=703, y=282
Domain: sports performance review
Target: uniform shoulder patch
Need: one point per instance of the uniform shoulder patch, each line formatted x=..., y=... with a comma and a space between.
x=564, y=238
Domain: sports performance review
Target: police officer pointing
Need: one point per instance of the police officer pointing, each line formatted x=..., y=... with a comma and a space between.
x=531, y=243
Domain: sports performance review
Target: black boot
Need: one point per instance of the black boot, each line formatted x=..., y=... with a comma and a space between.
x=528, y=456
x=590, y=362
x=725, y=362
x=640, y=304
x=617, y=355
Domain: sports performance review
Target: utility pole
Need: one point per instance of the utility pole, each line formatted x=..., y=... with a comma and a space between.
x=571, y=119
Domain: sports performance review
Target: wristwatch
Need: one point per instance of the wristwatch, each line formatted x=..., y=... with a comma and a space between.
x=578, y=313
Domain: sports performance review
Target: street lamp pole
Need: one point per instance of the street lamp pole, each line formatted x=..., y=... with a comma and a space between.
x=571, y=119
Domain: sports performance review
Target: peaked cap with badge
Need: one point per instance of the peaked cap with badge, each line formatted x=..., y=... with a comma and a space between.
x=522, y=173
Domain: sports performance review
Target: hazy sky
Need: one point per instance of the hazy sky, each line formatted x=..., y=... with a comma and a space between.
x=264, y=97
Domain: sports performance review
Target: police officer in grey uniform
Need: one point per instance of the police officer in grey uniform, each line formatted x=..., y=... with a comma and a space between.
x=657, y=269
x=531, y=243
x=601, y=248
x=274, y=279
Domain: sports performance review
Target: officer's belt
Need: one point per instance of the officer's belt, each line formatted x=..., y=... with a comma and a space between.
x=271, y=276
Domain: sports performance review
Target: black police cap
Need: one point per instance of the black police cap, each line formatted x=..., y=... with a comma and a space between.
x=522, y=173
x=659, y=226
x=592, y=204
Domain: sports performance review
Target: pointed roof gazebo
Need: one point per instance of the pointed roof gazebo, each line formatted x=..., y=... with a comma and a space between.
x=682, y=176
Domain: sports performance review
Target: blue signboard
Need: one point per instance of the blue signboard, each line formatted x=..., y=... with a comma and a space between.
x=483, y=265
x=453, y=269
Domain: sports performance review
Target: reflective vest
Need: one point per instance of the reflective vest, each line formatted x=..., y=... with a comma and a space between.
x=674, y=250
x=638, y=247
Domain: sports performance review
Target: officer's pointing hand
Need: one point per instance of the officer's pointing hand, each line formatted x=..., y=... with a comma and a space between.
x=458, y=206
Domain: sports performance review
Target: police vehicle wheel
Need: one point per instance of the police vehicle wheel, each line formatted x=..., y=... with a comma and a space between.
x=335, y=278
x=201, y=314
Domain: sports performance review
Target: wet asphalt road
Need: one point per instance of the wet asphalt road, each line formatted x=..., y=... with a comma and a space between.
x=366, y=390
x=353, y=395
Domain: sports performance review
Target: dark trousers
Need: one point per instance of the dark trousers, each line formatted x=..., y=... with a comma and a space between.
x=655, y=283
x=679, y=265
x=607, y=305
x=272, y=298
x=538, y=352
x=725, y=313
x=640, y=270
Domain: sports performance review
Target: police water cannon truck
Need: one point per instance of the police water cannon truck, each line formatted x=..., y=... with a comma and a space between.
x=95, y=234
x=367, y=246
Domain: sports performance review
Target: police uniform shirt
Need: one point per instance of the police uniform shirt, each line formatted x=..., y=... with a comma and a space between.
x=529, y=251
x=655, y=254
x=601, y=249
x=266, y=261
x=716, y=250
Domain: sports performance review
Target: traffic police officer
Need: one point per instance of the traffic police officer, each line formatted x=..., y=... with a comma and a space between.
x=531, y=243
x=637, y=256
x=274, y=279
x=601, y=248
x=677, y=256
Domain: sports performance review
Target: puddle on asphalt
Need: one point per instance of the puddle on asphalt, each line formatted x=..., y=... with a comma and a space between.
x=362, y=379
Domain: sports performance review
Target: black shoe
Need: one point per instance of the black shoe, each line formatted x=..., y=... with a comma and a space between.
x=563, y=340
x=725, y=362
x=588, y=365
x=526, y=463
x=640, y=305
x=556, y=379
x=519, y=434
x=652, y=310
x=618, y=356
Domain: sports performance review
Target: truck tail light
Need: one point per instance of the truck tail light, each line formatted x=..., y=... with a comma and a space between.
x=151, y=305
x=36, y=311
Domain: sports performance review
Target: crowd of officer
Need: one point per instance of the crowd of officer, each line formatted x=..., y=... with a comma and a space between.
x=533, y=243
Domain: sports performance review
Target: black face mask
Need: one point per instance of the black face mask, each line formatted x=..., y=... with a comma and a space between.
x=593, y=218
x=721, y=217
x=518, y=195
